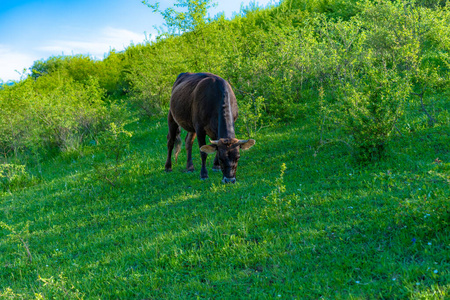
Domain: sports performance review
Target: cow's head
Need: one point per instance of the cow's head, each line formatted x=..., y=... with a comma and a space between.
x=228, y=153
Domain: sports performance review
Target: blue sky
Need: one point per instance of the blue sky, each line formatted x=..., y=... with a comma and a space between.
x=31, y=30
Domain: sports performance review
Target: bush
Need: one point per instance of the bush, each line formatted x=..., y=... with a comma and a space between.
x=111, y=74
x=368, y=67
x=373, y=107
x=114, y=143
x=250, y=111
x=13, y=176
x=153, y=71
x=52, y=112
x=80, y=68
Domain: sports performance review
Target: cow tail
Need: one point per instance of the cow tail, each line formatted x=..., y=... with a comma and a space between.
x=177, y=147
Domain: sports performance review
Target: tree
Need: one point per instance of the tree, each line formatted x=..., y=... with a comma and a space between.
x=178, y=22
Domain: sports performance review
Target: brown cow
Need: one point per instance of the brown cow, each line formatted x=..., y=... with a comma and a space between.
x=204, y=104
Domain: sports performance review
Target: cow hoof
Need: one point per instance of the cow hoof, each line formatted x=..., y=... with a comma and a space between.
x=216, y=168
x=168, y=170
x=228, y=180
x=190, y=170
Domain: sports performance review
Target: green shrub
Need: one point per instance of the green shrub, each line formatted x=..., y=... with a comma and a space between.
x=109, y=72
x=114, y=144
x=52, y=112
x=68, y=114
x=153, y=71
x=56, y=288
x=370, y=67
x=78, y=67
x=15, y=105
x=373, y=107
x=250, y=114
x=13, y=176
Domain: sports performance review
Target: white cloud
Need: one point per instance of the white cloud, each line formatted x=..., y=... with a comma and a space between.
x=11, y=60
x=95, y=45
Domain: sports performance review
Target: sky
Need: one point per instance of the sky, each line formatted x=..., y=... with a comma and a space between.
x=32, y=30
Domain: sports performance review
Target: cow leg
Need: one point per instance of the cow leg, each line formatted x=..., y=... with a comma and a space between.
x=201, y=136
x=173, y=140
x=188, y=143
x=216, y=164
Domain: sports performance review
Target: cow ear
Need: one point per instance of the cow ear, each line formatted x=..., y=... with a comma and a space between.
x=208, y=149
x=248, y=144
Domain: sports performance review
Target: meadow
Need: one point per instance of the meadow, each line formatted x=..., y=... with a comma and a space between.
x=344, y=196
x=299, y=223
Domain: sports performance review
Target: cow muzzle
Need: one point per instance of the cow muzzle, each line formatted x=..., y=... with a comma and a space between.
x=228, y=180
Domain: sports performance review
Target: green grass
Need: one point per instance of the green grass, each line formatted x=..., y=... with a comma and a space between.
x=328, y=227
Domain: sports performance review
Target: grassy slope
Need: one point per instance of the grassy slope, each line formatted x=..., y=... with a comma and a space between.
x=339, y=229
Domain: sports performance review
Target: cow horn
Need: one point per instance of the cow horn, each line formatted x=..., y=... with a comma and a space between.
x=214, y=142
x=246, y=144
x=242, y=142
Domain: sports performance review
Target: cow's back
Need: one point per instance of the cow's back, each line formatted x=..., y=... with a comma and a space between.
x=196, y=99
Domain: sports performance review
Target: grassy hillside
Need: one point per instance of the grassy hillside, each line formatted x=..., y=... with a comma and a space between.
x=344, y=196
x=300, y=223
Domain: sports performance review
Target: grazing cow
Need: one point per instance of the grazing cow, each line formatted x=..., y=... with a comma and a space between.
x=204, y=104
